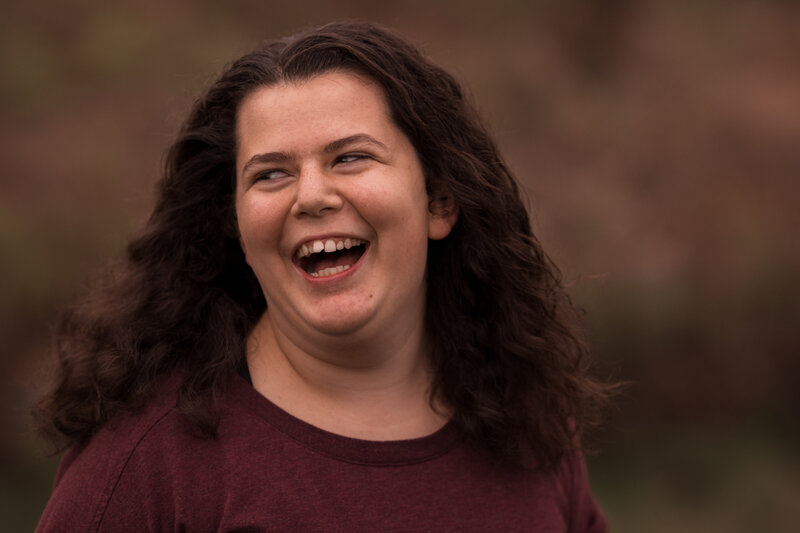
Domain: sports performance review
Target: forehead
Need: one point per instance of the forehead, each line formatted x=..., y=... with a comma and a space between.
x=325, y=102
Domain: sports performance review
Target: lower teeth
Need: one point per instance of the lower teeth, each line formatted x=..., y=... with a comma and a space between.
x=330, y=271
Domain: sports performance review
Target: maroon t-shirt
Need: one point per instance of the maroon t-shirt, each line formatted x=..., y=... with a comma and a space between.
x=269, y=471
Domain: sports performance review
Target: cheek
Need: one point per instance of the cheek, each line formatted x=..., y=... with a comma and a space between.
x=399, y=216
x=394, y=196
x=259, y=226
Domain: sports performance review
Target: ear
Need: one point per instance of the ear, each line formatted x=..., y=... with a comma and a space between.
x=442, y=211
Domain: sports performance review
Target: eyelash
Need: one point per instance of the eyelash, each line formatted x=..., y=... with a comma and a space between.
x=267, y=173
x=352, y=158
x=342, y=159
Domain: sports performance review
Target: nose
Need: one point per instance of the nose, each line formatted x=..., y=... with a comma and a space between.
x=316, y=194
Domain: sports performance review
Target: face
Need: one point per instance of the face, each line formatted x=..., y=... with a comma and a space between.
x=332, y=208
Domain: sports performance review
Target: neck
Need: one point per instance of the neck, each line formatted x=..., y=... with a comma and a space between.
x=375, y=390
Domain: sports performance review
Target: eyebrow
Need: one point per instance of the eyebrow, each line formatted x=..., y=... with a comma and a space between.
x=352, y=139
x=333, y=146
x=269, y=157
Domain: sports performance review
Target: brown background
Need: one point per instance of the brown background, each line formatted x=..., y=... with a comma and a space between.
x=659, y=143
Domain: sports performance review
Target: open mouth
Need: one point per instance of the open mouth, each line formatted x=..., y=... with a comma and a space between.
x=322, y=258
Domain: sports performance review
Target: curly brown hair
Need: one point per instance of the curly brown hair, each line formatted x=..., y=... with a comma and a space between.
x=507, y=351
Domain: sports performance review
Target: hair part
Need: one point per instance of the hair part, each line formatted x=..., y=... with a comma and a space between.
x=507, y=353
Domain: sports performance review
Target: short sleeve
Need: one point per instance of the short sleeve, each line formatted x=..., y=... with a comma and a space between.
x=585, y=514
x=89, y=476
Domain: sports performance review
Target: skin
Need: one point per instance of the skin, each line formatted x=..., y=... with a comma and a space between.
x=322, y=159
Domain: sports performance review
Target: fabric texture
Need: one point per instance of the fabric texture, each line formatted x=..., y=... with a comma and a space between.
x=269, y=471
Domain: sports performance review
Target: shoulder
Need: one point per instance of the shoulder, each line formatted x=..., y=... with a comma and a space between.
x=152, y=470
x=583, y=513
x=88, y=475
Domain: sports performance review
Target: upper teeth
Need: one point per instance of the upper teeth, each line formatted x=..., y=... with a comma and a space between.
x=328, y=245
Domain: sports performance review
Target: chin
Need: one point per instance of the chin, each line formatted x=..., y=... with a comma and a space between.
x=340, y=325
x=340, y=315
x=340, y=329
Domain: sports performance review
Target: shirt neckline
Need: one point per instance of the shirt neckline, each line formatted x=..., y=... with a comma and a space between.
x=347, y=449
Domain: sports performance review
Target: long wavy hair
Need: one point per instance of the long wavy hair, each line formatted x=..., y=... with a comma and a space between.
x=507, y=351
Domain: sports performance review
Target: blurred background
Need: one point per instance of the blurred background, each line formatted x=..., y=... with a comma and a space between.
x=659, y=143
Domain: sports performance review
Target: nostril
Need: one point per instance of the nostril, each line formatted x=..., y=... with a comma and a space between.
x=315, y=199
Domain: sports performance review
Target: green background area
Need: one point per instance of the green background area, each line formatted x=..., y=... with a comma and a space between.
x=659, y=145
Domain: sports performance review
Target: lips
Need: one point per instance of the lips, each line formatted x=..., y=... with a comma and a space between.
x=325, y=257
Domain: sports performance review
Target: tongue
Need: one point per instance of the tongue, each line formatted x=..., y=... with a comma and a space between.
x=341, y=258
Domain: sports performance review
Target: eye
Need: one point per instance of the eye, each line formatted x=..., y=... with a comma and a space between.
x=351, y=158
x=270, y=175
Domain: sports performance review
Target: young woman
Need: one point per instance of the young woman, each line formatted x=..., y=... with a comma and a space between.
x=336, y=319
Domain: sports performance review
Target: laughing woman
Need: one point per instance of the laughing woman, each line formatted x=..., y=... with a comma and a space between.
x=336, y=319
